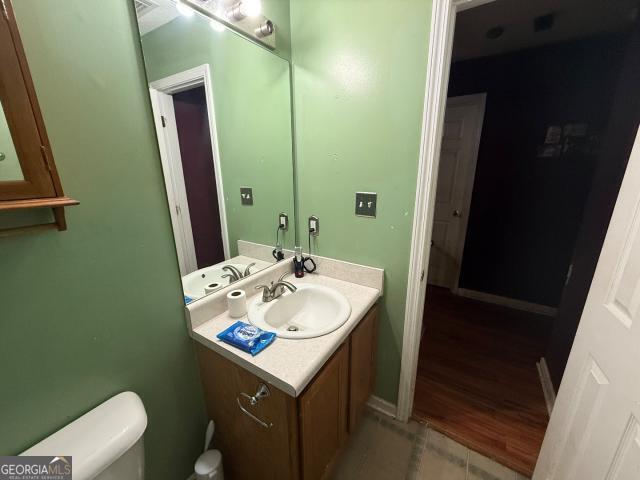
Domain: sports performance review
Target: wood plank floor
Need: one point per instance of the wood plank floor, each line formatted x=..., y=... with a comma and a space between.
x=477, y=379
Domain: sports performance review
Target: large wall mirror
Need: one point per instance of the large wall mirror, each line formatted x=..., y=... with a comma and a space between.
x=222, y=108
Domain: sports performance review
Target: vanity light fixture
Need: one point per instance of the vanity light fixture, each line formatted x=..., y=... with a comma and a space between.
x=244, y=9
x=184, y=9
x=264, y=29
x=252, y=8
x=235, y=12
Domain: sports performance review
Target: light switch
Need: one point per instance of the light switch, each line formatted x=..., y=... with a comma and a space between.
x=366, y=204
x=246, y=195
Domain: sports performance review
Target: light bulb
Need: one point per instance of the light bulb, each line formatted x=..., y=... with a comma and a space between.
x=184, y=10
x=244, y=9
x=216, y=26
x=251, y=8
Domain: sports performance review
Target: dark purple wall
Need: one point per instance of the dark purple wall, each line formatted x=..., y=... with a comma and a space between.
x=526, y=209
x=618, y=141
x=199, y=175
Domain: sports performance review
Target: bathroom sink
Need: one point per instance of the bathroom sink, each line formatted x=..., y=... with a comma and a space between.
x=194, y=283
x=310, y=311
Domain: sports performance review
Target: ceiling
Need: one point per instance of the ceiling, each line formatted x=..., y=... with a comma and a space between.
x=572, y=19
x=153, y=14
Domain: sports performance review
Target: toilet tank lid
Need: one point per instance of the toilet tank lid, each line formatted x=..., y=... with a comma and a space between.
x=99, y=437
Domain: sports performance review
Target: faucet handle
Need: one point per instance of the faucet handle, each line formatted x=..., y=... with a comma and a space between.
x=246, y=270
x=266, y=292
x=229, y=276
x=282, y=277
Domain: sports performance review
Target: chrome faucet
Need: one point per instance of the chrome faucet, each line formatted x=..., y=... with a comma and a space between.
x=234, y=274
x=276, y=289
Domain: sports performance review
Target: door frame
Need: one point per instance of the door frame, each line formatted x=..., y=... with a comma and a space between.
x=167, y=133
x=479, y=102
x=443, y=19
x=172, y=84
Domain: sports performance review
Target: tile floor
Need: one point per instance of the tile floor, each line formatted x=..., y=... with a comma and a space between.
x=384, y=449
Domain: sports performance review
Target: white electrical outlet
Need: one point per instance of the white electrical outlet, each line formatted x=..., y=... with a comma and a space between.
x=283, y=221
x=314, y=225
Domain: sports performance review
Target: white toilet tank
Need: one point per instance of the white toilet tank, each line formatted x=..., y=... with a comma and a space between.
x=105, y=443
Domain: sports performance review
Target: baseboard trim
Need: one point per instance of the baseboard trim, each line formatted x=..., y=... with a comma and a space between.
x=382, y=406
x=508, y=302
x=547, y=384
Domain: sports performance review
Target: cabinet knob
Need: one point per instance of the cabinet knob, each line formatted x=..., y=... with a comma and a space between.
x=2, y=156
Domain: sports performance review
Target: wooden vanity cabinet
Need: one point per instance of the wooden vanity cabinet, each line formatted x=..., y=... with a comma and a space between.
x=324, y=408
x=249, y=449
x=289, y=438
x=362, y=359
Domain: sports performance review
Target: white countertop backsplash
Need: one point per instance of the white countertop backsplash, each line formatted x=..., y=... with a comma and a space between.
x=288, y=364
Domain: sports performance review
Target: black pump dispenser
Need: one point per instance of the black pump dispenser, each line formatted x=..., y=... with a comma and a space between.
x=298, y=265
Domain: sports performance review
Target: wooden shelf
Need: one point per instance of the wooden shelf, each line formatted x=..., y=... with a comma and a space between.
x=50, y=202
x=56, y=204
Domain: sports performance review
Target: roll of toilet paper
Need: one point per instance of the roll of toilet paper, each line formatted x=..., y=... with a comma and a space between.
x=212, y=287
x=237, y=303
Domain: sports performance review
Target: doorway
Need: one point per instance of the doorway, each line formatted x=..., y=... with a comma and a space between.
x=459, y=152
x=185, y=125
x=556, y=137
x=196, y=154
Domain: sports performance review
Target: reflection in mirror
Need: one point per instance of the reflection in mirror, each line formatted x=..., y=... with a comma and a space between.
x=9, y=164
x=221, y=106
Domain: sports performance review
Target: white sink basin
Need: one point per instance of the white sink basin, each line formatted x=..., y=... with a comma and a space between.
x=194, y=283
x=311, y=311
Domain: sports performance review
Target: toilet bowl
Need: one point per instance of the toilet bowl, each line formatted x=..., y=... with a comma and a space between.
x=105, y=443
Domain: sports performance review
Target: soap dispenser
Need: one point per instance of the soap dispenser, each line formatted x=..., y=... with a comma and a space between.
x=298, y=263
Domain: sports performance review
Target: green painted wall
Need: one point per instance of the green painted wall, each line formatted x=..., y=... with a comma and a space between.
x=278, y=12
x=360, y=69
x=96, y=310
x=252, y=109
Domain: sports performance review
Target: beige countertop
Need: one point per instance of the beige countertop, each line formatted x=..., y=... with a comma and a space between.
x=288, y=364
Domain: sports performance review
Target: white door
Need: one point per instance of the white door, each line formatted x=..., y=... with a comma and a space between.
x=594, y=432
x=456, y=171
x=167, y=132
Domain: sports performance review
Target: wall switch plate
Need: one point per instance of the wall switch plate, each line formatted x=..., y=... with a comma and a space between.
x=314, y=226
x=366, y=203
x=283, y=221
x=246, y=195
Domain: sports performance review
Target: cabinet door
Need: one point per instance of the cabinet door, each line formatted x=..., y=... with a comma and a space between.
x=249, y=450
x=362, y=365
x=323, y=415
x=26, y=165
